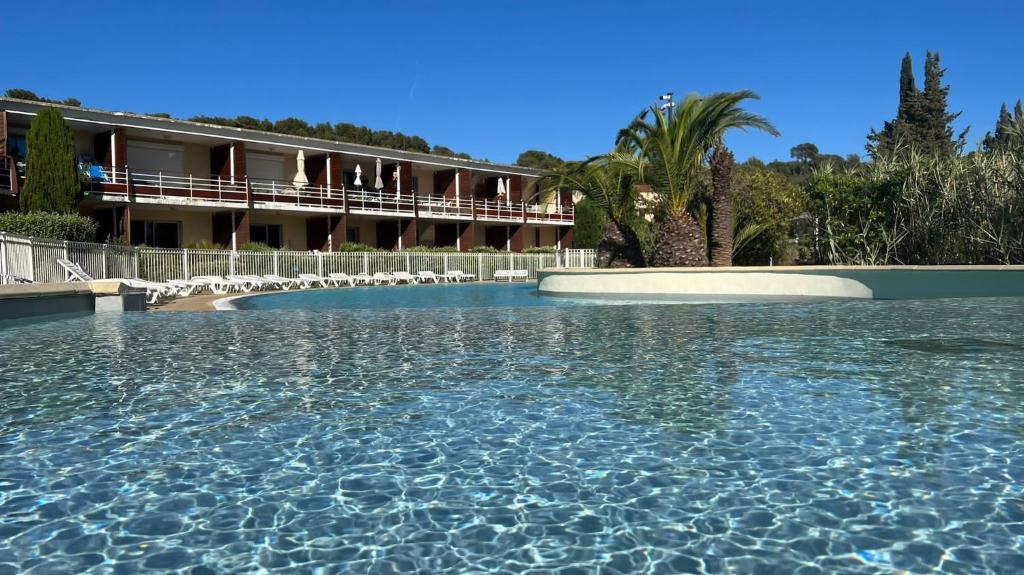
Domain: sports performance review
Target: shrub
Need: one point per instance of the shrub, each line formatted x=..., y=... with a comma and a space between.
x=540, y=250
x=484, y=250
x=51, y=226
x=431, y=249
x=255, y=247
x=356, y=247
x=51, y=175
x=203, y=245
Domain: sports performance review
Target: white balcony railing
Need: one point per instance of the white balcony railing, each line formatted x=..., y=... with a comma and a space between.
x=276, y=193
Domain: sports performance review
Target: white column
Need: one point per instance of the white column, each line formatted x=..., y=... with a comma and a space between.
x=231, y=160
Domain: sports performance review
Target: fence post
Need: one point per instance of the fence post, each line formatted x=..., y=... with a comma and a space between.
x=31, y=259
x=446, y=263
x=276, y=260
x=3, y=257
x=366, y=263
x=103, y=252
x=408, y=263
x=480, y=266
x=231, y=262
x=137, y=257
x=319, y=263
x=185, y=267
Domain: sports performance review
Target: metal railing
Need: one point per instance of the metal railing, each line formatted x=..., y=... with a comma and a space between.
x=35, y=260
x=276, y=194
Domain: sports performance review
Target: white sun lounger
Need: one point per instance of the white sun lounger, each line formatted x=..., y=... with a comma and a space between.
x=428, y=276
x=186, y=288
x=250, y=283
x=459, y=276
x=404, y=277
x=73, y=272
x=362, y=279
x=310, y=279
x=220, y=285
x=338, y=278
x=381, y=278
x=282, y=282
x=511, y=275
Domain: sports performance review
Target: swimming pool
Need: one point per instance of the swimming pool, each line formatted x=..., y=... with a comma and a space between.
x=484, y=428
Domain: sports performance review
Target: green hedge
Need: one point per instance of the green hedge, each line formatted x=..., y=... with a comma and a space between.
x=50, y=226
x=540, y=250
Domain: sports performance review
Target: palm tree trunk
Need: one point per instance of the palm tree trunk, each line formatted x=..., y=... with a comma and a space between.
x=680, y=243
x=619, y=247
x=721, y=221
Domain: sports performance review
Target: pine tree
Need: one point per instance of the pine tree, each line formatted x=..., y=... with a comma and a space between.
x=51, y=176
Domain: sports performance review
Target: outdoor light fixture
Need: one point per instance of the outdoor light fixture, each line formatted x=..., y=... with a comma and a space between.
x=667, y=96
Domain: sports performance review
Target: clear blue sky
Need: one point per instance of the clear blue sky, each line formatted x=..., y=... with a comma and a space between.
x=495, y=77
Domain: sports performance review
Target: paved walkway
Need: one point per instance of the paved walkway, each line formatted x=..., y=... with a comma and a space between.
x=203, y=302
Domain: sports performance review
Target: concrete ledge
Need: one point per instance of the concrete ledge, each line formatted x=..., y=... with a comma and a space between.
x=862, y=282
x=28, y=300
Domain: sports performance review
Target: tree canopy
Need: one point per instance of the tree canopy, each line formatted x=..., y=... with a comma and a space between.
x=23, y=94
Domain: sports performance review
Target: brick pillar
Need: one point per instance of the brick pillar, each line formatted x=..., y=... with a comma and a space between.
x=228, y=161
x=515, y=189
x=126, y=225
x=467, y=236
x=515, y=238
x=408, y=232
x=565, y=237
x=466, y=188
x=337, y=231
x=316, y=170
x=112, y=151
x=3, y=134
x=241, y=226
x=444, y=184
x=335, y=171
x=317, y=230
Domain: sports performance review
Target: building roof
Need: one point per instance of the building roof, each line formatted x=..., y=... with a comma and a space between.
x=185, y=127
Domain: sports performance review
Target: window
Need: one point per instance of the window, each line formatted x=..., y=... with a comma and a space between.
x=415, y=183
x=269, y=234
x=352, y=235
x=17, y=146
x=157, y=234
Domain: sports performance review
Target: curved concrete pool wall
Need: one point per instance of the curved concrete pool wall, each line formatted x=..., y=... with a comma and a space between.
x=862, y=282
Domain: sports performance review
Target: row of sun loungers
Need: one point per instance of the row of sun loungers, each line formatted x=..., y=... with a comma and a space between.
x=157, y=292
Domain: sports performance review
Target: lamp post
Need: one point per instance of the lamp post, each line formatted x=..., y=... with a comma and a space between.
x=668, y=105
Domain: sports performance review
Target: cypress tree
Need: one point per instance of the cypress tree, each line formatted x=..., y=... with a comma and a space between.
x=1018, y=112
x=896, y=133
x=908, y=88
x=997, y=139
x=922, y=121
x=51, y=174
x=934, y=128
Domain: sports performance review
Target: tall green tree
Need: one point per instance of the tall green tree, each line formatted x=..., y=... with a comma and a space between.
x=670, y=150
x=923, y=121
x=1000, y=138
x=934, y=120
x=51, y=174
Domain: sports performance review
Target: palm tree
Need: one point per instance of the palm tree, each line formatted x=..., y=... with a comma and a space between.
x=610, y=186
x=670, y=151
x=721, y=236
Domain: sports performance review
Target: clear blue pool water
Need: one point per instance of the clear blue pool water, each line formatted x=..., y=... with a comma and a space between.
x=486, y=429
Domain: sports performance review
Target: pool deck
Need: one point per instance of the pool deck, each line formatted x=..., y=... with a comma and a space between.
x=203, y=302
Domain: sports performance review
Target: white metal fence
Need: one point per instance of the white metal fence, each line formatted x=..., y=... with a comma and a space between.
x=36, y=260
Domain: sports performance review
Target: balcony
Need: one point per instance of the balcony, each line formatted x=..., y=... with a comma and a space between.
x=176, y=189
